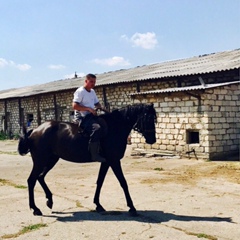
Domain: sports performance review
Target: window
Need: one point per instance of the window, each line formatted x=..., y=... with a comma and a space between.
x=192, y=136
x=29, y=119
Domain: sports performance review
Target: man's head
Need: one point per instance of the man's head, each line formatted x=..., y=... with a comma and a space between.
x=90, y=81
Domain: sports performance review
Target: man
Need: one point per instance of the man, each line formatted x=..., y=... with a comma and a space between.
x=85, y=101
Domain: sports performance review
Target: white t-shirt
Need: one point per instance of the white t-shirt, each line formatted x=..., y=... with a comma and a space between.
x=86, y=99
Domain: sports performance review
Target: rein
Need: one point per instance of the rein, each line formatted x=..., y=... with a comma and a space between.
x=139, y=125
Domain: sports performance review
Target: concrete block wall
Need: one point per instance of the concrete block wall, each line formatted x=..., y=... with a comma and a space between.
x=29, y=106
x=117, y=95
x=224, y=121
x=215, y=117
x=64, y=101
x=176, y=115
x=12, y=109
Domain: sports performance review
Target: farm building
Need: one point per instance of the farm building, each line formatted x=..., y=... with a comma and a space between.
x=197, y=102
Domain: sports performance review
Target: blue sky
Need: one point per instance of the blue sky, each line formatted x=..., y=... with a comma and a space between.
x=47, y=40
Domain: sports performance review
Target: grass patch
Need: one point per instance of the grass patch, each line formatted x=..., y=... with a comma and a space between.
x=21, y=186
x=198, y=235
x=26, y=229
x=9, y=183
x=78, y=204
x=4, y=181
x=9, y=153
x=203, y=235
x=158, y=169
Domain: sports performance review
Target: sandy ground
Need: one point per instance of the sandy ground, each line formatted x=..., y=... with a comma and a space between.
x=175, y=198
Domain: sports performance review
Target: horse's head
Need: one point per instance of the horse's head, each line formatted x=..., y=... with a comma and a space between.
x=145, y=123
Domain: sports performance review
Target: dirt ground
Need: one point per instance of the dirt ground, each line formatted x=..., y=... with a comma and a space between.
x=177, y=199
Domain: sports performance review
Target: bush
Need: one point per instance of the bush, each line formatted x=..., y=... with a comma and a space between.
x=3, y=136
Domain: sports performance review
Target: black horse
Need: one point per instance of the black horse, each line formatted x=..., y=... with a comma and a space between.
x=53, y=140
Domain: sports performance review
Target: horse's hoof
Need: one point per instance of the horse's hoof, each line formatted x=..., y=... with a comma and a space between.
x=49, y=204
x=100, y=209
x=37, y=212
x=133, y=213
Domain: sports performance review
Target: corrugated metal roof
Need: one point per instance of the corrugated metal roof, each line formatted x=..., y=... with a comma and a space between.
x=182, y=89
x=209, y=63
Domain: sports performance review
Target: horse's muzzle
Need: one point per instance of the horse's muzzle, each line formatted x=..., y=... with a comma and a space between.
x=151, y=141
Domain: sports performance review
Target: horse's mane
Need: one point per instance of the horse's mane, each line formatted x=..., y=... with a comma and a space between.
x=135, y=109
x=125, y=112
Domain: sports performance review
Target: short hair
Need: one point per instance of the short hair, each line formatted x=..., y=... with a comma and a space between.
x=90, y=75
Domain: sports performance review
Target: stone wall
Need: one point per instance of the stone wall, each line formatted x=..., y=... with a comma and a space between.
x=29, y=106
x=177, y=115
x=224, y=121
x=215, y=120
x=203, y=124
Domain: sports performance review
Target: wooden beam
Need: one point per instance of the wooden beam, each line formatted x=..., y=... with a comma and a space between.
x=5, y=120
x=38, y=111
x=55, y=106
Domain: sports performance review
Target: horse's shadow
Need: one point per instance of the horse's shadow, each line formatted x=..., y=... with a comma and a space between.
x=147, y=216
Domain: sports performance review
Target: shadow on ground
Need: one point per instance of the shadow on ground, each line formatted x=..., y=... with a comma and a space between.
x=148, y=216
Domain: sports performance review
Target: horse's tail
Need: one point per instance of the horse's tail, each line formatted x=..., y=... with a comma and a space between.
x=23, y=144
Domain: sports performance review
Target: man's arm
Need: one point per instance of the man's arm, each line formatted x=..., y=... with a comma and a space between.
x=78, y=107
x=99, y=106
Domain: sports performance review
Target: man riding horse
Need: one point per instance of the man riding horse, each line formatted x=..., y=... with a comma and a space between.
x=85, y=101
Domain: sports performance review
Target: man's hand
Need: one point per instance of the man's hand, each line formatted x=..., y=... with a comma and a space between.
x=105, y=110
x=94, y=112
x=102, y=109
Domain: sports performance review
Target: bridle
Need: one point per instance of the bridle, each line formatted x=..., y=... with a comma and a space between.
x=140, y=125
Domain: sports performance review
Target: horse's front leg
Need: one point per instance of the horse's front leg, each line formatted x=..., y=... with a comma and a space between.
x=50, y=164
x=101, y=176
x=117, y=169
x=45, y=188
x=31, y=184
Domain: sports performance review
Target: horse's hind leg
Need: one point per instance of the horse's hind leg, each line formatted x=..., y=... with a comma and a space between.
x=101, y=176
x=117, y=169
x=50, y=164
x=31, y=184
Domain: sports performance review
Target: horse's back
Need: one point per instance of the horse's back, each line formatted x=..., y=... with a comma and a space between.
x=60, y=139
